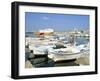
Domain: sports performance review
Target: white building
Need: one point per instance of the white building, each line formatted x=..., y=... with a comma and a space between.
x=48, y=30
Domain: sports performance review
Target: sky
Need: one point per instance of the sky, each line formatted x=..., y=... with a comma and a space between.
x=58, y=22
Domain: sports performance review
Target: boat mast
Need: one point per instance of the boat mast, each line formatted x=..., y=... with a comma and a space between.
x=72, y=36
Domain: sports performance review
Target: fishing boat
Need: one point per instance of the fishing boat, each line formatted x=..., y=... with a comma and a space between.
x=69, y=53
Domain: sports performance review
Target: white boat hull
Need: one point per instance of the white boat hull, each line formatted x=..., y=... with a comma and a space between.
x=59, y=57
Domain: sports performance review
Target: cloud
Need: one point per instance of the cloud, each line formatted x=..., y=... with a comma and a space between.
x=45, y=18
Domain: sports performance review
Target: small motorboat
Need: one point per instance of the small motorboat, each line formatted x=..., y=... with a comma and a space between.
x=68, y=53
